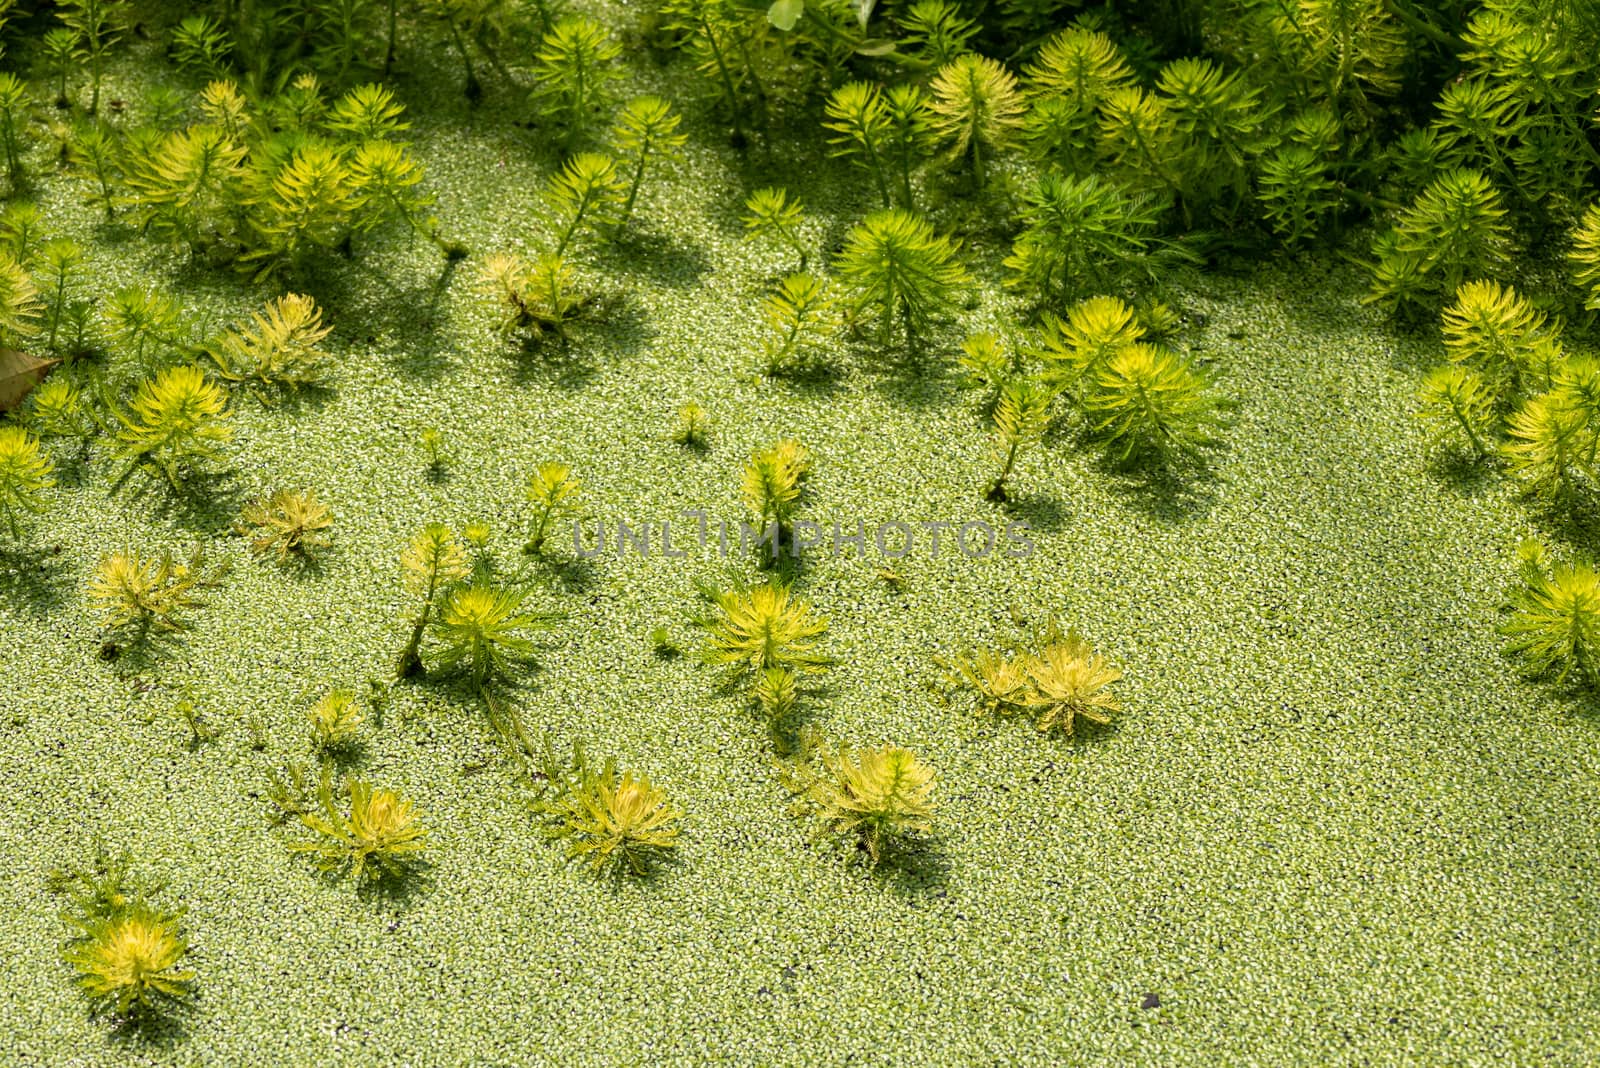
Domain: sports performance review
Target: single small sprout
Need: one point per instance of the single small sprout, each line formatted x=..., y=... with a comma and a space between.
x=693, y=428
x=586, y=197
x=377, y=698
x=380, y=836
x=141, y=595
x=883, y=797
x=1454, y=397
x=772, y=211
x=290, y=793
x=24, y=473
x=477, y=535
x=260, y=735
x=200, y=732
x=1021, y=416
x=801, y=318
x=771, y=487
x=481, y=628
x=646, y=129
x=616, y=823
x=661, y=642
x=336, y=720
x=289, y=523
x=432, y=441
x=553, y=492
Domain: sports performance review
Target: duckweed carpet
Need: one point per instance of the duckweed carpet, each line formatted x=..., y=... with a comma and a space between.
x=1333, y=826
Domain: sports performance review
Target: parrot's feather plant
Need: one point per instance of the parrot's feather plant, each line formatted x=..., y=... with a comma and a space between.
x=616, y=823
x=367, y=832
x=882, y=797
x=127, y=952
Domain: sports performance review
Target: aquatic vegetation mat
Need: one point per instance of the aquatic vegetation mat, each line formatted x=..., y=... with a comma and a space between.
x=797, y=533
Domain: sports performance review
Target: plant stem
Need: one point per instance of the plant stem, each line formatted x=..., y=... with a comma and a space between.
x=55, y=308
x=1427, y=29
x=633, y=190
x=1472, y=435
x=725, y=78
x=474, y=88
x=997, y=491
x=388, y=56
x=410, y=663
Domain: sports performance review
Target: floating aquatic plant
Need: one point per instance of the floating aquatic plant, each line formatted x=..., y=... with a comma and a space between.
x=336, y=720
x=377, y=834
x=280, y=347
x=176, y=422
x=1554, y=624
x=899, y=267
x=615, y=822
x=1061, y=681
x=25, y=472
x=646, y=132
x=977, y=108
x=482, y=631
x=127, y=952
x=1021, y=416
x=693, y=427
x=290, y=523
x=882, y=797
x=762, y=627
x=142, y=594
x=772, y=211
x=553, y=492
x=432, y=561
